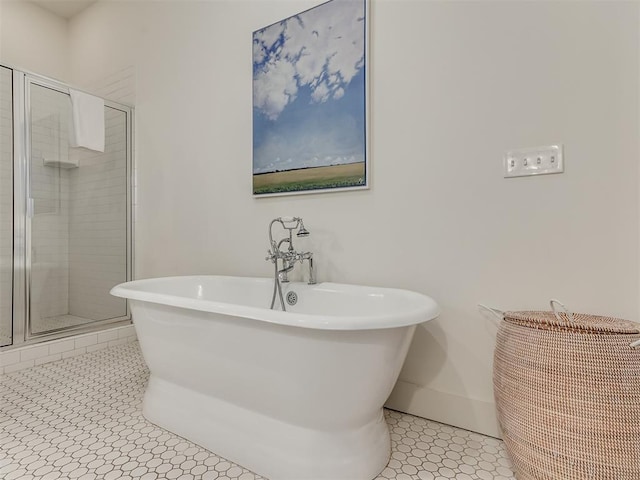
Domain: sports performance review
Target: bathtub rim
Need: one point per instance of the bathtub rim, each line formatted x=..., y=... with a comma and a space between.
x=429, y=311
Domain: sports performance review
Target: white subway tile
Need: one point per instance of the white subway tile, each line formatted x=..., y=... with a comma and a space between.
x=86, y=340
x=107, y=336
x=60, y=346
x=9, y=358
x=31, y=353
x=127, y=332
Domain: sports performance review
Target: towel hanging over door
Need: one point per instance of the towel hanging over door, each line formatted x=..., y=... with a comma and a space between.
x=88, y=121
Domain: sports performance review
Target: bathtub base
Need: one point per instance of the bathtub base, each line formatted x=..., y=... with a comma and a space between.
x=264, y=445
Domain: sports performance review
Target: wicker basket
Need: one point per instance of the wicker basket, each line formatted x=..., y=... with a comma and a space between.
x=567, y=390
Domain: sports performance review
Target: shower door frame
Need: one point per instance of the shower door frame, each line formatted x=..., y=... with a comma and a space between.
x=23, y=212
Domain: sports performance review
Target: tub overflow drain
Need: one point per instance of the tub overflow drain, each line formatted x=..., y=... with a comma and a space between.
x=292, y=298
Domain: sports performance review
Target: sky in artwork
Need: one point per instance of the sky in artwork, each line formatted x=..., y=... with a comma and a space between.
x=308, y=89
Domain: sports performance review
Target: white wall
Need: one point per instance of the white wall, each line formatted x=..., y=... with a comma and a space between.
x=102, y=47
x=453, y=86
x=33, y=39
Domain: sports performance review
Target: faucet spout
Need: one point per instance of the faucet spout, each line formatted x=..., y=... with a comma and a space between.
x=312, y=275
x=308, y=256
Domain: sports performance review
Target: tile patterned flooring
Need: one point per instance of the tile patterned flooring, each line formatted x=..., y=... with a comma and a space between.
x=80, y=418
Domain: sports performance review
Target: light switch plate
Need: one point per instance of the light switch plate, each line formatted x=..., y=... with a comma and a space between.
x=533, y=161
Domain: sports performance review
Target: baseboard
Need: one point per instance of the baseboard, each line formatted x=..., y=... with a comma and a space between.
x=464, y=412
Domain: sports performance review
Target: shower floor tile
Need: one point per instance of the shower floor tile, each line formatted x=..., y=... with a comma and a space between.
x=81, y=418
x=46, y=324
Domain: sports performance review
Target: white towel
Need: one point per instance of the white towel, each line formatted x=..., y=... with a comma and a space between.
x=88, y=121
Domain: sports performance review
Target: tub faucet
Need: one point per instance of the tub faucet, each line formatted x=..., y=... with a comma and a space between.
x=287, y=257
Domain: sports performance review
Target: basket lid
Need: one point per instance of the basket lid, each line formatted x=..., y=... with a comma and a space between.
x=575, y=321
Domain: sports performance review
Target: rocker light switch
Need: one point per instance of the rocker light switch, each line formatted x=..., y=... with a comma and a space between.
x=533, y=161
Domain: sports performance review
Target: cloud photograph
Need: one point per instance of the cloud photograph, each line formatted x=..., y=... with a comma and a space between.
x=309, y=109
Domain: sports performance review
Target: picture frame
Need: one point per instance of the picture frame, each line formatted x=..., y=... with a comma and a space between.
x=310, y=101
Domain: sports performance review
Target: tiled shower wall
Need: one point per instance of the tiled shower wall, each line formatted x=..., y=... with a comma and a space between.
x=6, y=204
x=98, y=234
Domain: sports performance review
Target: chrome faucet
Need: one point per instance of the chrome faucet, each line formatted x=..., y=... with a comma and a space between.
x=288, y=257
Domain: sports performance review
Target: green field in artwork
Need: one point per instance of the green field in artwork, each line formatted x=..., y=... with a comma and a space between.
x=334, y=176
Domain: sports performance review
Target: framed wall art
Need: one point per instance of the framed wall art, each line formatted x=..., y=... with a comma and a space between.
x=310, y=101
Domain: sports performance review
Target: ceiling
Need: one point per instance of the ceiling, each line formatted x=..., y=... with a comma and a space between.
x=64, y=8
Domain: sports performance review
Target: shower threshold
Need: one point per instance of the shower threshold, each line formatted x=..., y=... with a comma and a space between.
x=47, y=324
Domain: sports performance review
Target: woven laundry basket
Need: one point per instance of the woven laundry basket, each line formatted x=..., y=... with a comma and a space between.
x=567, y=390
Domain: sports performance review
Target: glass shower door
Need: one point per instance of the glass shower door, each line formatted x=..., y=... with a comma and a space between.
x=6, y=205
x=77, y=246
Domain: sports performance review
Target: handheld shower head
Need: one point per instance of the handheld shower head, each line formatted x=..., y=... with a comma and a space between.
x=302, y=232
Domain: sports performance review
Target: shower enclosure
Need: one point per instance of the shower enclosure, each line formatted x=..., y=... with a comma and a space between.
x=65, y=214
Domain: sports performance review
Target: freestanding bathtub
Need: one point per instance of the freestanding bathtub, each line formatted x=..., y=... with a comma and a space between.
x=290, y=395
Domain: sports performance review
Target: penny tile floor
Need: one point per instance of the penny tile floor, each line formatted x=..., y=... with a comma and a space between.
x=81, y=418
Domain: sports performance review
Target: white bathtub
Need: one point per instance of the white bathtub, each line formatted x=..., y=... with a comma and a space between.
x=290, y=395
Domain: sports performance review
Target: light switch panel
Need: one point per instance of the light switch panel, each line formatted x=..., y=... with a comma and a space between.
x=533, y=161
